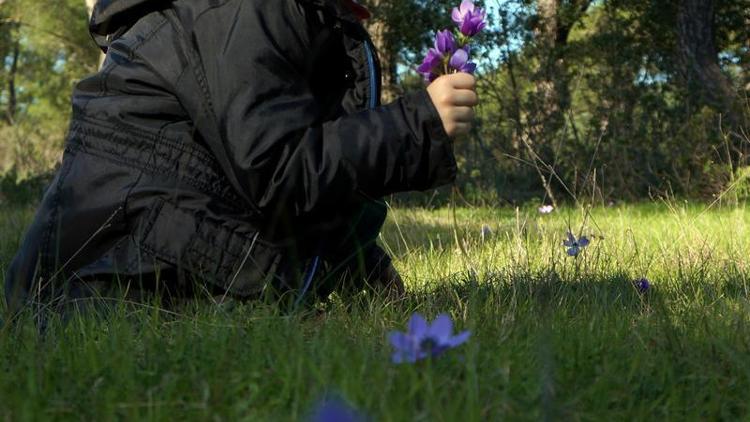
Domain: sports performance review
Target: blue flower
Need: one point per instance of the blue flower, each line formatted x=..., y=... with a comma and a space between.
x=642, y=285
x=423, y=340
x=575, y=245
x=335, y=410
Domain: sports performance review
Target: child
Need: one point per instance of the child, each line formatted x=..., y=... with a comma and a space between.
x=233, y=146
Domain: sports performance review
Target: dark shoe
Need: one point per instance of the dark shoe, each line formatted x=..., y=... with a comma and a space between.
x=389, y=282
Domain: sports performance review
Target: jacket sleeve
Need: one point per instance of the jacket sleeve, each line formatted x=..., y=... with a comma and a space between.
x=280, y=153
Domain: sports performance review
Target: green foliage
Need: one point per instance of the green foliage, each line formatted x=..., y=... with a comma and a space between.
x=55, y=51
x=623, y=122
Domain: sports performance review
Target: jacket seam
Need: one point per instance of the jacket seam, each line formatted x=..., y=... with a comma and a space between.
x=203, y=185
x=155, y=138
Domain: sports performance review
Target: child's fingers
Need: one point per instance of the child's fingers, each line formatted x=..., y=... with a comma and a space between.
x=462, y=114
x=465, y=97
x=462, y=81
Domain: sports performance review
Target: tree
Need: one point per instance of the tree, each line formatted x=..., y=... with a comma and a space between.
x=552, y=26
x=46, y=48
x=704, y=78
x=379, y=31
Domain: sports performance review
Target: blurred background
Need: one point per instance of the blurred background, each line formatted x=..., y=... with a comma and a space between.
x=581, y=100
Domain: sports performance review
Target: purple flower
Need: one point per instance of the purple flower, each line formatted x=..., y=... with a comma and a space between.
x=423, y=340
x=462, y=11
x=445, y=43
x=575, y=245
x=473, y=25
x=642, y=285
x=460, y=61
x=431, y=63
x=335, y=410
x=469, y=18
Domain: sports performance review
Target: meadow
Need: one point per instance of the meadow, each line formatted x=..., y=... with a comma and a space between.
x=553, y=337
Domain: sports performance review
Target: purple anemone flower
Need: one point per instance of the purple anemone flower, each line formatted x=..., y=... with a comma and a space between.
x=335, y=410
x=423, y=340
x=460, y=61
x=469, y=18
x=430, y=64
x=445, y=43
x=642, y=285
x=464, y=9
x=575, y=245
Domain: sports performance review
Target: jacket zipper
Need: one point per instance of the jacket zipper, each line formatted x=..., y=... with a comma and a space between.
x=373, y=82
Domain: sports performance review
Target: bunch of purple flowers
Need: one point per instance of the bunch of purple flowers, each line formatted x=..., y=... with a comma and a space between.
x=452, y=49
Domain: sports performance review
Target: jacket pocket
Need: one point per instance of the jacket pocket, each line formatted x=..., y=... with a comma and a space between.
x=228, y=254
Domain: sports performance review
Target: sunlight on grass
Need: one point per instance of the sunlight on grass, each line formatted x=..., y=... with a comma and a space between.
x=653, y=241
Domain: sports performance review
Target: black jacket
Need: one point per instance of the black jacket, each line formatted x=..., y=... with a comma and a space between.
x=227, y=138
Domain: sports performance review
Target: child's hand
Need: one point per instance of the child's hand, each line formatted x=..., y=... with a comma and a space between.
x=454, y=97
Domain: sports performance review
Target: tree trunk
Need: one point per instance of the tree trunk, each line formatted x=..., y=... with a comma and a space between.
x=703, y=75
x=552, y=92
x=556, y=20
x=548, y=80
x=378, y=29
x=12, y=99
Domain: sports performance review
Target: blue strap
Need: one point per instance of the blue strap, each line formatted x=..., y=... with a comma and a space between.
x=308, y=280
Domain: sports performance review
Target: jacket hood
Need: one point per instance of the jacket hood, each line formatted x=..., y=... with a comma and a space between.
x=111, y=18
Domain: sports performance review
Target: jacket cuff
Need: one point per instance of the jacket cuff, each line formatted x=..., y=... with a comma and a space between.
x=438, y=160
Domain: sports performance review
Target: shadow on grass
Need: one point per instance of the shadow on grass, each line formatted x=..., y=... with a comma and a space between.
x=542, y=290
x=24, y=192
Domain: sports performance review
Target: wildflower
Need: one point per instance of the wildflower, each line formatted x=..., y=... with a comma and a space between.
x=422, y=340
x=335, y=410
x=431, y=63
x=642, y=285
x=575, y=245
x=460, y=61
x=546, y=209
x=469, y=18
x=445, y=43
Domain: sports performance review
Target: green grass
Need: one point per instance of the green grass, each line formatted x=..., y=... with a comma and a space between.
x=553, y=337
